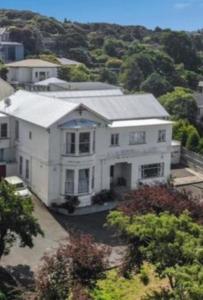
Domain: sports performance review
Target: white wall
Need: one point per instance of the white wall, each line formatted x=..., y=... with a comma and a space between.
x=27, y=75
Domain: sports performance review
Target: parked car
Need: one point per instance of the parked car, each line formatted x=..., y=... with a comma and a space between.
x=19, y=185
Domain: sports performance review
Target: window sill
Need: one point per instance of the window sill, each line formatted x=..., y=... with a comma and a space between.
x=139, y=144
x=114, y=146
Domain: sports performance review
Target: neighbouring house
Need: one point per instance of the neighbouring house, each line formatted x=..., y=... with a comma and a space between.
x=9, y=51
x=199, y=101
x=68, y=62
x=29, y=71
x=6, y=89
x=81, y=146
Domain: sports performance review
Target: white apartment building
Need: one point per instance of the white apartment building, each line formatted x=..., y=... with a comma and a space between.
x=81, y=146
x=29, y=71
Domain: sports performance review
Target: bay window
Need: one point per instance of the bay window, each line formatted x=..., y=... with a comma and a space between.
x=161, y=136
x=84, y=142
x=69, y=184
x=70, y=143
x=83, y=181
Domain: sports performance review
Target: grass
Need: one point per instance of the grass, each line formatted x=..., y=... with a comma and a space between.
x=115, y=287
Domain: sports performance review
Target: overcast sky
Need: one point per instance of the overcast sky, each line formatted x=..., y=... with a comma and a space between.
x=175, y=14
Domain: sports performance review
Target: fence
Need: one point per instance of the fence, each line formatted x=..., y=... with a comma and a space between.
x=192, y=159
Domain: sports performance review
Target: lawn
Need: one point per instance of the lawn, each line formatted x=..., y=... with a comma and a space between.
x=115, y=287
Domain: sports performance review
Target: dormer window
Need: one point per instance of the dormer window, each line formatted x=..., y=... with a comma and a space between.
x=70, y=143
x=4, y=130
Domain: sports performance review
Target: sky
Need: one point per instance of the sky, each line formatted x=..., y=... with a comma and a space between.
x=174, y=14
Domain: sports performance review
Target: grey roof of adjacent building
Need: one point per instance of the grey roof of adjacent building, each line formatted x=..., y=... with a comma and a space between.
x=36, y=109
x=11, y=44
x=89, y=85
x=198, y=98
x=47, y=82
x=124, y=107
x=6, y=89
x=2, y=30
x=67, y=62
x=81, y=94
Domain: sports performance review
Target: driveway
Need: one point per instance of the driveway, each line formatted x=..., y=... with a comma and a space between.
x=29, y=259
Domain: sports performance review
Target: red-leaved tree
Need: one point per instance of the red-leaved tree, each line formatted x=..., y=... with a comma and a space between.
x=157, y=199
x=76, y=264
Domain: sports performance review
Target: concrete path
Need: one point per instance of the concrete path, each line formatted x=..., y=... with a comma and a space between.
x=192, y=178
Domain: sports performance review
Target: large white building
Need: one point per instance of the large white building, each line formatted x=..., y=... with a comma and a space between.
x=29, y=71
x=81, y=146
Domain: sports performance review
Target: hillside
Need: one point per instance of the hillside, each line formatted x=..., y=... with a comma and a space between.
x=134, y=56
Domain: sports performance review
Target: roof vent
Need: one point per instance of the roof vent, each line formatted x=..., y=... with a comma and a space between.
x=7, y=102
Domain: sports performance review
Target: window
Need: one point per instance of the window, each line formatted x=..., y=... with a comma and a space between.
x=4, y=130
x=30, y=135
x=137, y=138
x=27, y=171
x=84, y=142
x=20, y=165
x=17, y=130
x=70, y=143
x=115, y=139
x=69, y=184
x=2, y=154
x=162, y=136
x=94, y=141
x=36, y=74
x=83, y=181
x=111, y=171
x=152, y=171
x=93, y=175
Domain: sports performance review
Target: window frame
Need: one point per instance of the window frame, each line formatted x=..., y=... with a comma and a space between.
x=27, y=169
x=137, y=138
x=82, y=190
x=161, y=136
x=84, y=143
x=70, y=144
x=71, y=182
x=5, y=130
x=149, y=167
x=115, y=137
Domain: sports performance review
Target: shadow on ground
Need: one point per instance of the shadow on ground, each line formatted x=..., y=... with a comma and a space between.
x=93, y=224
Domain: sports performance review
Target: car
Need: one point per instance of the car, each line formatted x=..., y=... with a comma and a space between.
x=19, y=185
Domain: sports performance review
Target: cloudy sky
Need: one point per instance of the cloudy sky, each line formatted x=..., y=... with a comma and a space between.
x=176, y=14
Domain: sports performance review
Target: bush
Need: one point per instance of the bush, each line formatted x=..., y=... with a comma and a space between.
x=193, y=141
x=77, y=263
x=144, y=277
x=70, y=205
x=103, y=196
x=157, y=199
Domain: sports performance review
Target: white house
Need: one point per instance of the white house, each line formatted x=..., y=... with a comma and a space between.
x=81, y=146
x=30, y=71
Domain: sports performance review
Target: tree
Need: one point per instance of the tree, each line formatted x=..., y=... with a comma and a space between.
x=77, y=264
x=131, y=75
x=3, y=71
x=75, y=73
x=157, y=199
x=114, y=47
x=105, y=75
x=156, y=84
x=182, y=130
x=16, y=220
x=167, y=241
x=193, y=141
x=180, y=104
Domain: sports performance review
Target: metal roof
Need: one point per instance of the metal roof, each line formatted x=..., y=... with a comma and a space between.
x=7, y=43
x=81, y=94
x=32, y=63
x=39, y=110
x=137, y=123
x=47, y=82
x=6, y=89
x=124, y=107
x=89, y=85
x=65, y=61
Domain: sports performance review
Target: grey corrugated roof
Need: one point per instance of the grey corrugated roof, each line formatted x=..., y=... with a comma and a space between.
x=39, y=110
x=125, y=107
x=10, y=44
x=6, y=89
x=90, y=85
x=81, y=94
x=32, y=63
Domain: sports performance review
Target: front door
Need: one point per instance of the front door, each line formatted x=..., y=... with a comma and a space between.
x=2, y=171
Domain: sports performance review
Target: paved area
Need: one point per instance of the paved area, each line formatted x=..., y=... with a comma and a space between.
x=186, y=176
x=28, y=259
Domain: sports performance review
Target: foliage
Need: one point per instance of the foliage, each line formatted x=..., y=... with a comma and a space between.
x=156, y=84
x=180, y=104
x=193, y=141
x=17, y=220
x=167, y=241
x=74, y=73
x=3, y=71
x=115, y=286
x=103, y=196
x=78, y=262
x=181, y=131
x=157, y=199
x=107, y=76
